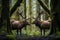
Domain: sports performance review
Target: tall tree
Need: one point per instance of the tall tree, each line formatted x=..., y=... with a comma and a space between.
x=25, y=10
x=5, y=18
x=0, y=12
x=55, y=4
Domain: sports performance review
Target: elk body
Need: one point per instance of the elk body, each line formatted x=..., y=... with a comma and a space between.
x=42, y=25
x=17, y=25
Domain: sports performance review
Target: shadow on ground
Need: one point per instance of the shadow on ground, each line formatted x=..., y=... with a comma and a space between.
x=18, y=37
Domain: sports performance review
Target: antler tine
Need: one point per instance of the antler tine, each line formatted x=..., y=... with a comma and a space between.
x=38, y=15
x=33, y=18
x=21, y=15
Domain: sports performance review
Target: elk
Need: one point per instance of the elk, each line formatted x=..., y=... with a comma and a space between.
x=17, y=25
x=42, y=25
x=45, y=24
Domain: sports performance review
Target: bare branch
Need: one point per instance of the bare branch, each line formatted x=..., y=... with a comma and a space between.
x=44, y=6
x=17, y=4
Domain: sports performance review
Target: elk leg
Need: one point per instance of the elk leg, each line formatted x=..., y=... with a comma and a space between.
x=20, y=31
x=44, y=32
x=25, y=28
x=41, y=31
x=17, y=31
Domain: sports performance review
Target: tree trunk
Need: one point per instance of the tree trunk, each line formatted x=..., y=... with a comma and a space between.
x=25, y=10
x=5, y=20
x=55, y=22
x=0, y=12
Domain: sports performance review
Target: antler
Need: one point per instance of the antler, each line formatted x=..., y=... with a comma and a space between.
x=37, y=16
x=33, y=17
x=20, y=14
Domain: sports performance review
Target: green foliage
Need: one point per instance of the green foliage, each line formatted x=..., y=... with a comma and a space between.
x=2, y=30
x=10, y=37
x=58, y=32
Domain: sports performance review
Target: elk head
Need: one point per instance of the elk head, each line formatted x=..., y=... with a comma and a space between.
x=12, y=20
x=26, y=22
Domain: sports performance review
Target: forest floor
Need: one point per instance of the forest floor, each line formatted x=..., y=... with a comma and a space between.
x=51, y=37
x=15, y=36
x=18, y=37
